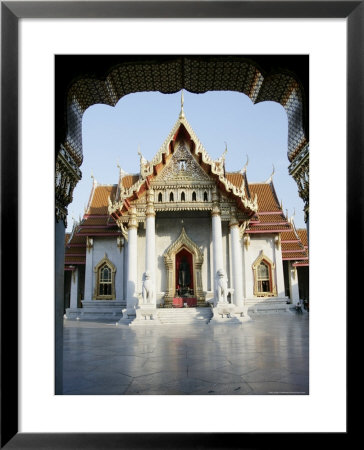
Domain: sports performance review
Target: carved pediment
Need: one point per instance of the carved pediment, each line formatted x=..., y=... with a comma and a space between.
x=182, y=167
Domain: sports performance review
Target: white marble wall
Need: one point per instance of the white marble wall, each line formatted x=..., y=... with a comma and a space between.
x=199, y=230
x=95, y=255
x=279, y=271
x=74, y=289
x=257, y=244
x=89, y=275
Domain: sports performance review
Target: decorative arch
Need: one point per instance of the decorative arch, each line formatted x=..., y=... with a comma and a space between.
x=183, y=242
x=104, y=280
x=264, y=284
x=106, y=79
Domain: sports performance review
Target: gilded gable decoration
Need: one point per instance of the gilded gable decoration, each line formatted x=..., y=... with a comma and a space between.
x=182, y=167
x=189, y=162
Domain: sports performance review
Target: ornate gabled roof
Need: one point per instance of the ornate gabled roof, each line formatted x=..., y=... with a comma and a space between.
x=295, y=245
x=182, y=130
x=95, y=222
x=269, y=217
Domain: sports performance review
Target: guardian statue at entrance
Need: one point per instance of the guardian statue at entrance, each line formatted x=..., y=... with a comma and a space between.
x=222, y=289
x=148, y=288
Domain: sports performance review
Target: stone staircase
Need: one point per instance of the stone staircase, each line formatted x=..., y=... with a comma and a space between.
x=184, y=316
x=97, y=310
x=267, y=305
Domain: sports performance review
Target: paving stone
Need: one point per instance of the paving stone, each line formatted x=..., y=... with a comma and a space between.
x=268, y=354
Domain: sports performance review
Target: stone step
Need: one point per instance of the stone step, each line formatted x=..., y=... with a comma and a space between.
x=184, y=316
x=267, y=305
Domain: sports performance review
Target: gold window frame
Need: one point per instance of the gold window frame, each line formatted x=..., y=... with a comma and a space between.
x=97, y=270
x=271, y=270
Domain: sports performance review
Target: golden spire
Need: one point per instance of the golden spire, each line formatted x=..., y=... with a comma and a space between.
x=182, y=114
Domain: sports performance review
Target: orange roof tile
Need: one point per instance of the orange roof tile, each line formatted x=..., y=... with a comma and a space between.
x=128, y=180
x=302, y=233
x=91, y=221
x=99, y=201
x=269, y=228
x=75, y=259
x=289, y=236
x=98, y=231
x=292, y=246
x=303, y=262
x=77, y=240
x=294, y=255
x=266, y=198
x=75, y=251
x=237, y=178
x=271, y=218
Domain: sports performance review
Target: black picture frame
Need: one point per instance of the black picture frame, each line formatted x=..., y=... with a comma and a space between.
x=11, y=12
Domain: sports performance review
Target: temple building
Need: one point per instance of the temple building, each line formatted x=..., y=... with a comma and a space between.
x=184, y=240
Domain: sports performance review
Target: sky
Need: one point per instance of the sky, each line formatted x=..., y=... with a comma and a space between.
x=142, y=121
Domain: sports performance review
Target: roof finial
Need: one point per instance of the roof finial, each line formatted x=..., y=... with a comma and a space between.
x=121, y=170
x=270, y=179
x=182, y=114
x=142, y=159
x=243, y=170
x=222, y=157
x=292, y=217
x=93, y=178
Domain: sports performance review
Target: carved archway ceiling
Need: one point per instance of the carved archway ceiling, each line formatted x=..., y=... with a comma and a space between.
x=195, y=74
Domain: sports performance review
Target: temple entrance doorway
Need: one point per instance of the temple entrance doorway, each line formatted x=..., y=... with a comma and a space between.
x=184, y=274
x=183, y=260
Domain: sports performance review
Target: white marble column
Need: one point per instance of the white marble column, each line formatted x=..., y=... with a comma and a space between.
x=279, y=266
x=150, y=242
x=293, y=283
x=248, y=281
x=217, y=256
x=74, y=289
x=237, y=265
x=89, y=285
x=132, y=263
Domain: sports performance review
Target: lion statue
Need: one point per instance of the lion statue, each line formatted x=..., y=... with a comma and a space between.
x=221, y=289
x=148, y=288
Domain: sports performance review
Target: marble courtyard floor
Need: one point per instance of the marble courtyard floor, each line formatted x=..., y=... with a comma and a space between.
x=268, y=355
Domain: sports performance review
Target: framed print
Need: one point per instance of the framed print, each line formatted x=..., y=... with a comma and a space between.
x=13, y=207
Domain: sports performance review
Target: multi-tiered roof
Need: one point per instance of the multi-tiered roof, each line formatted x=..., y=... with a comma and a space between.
x=258, y=202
